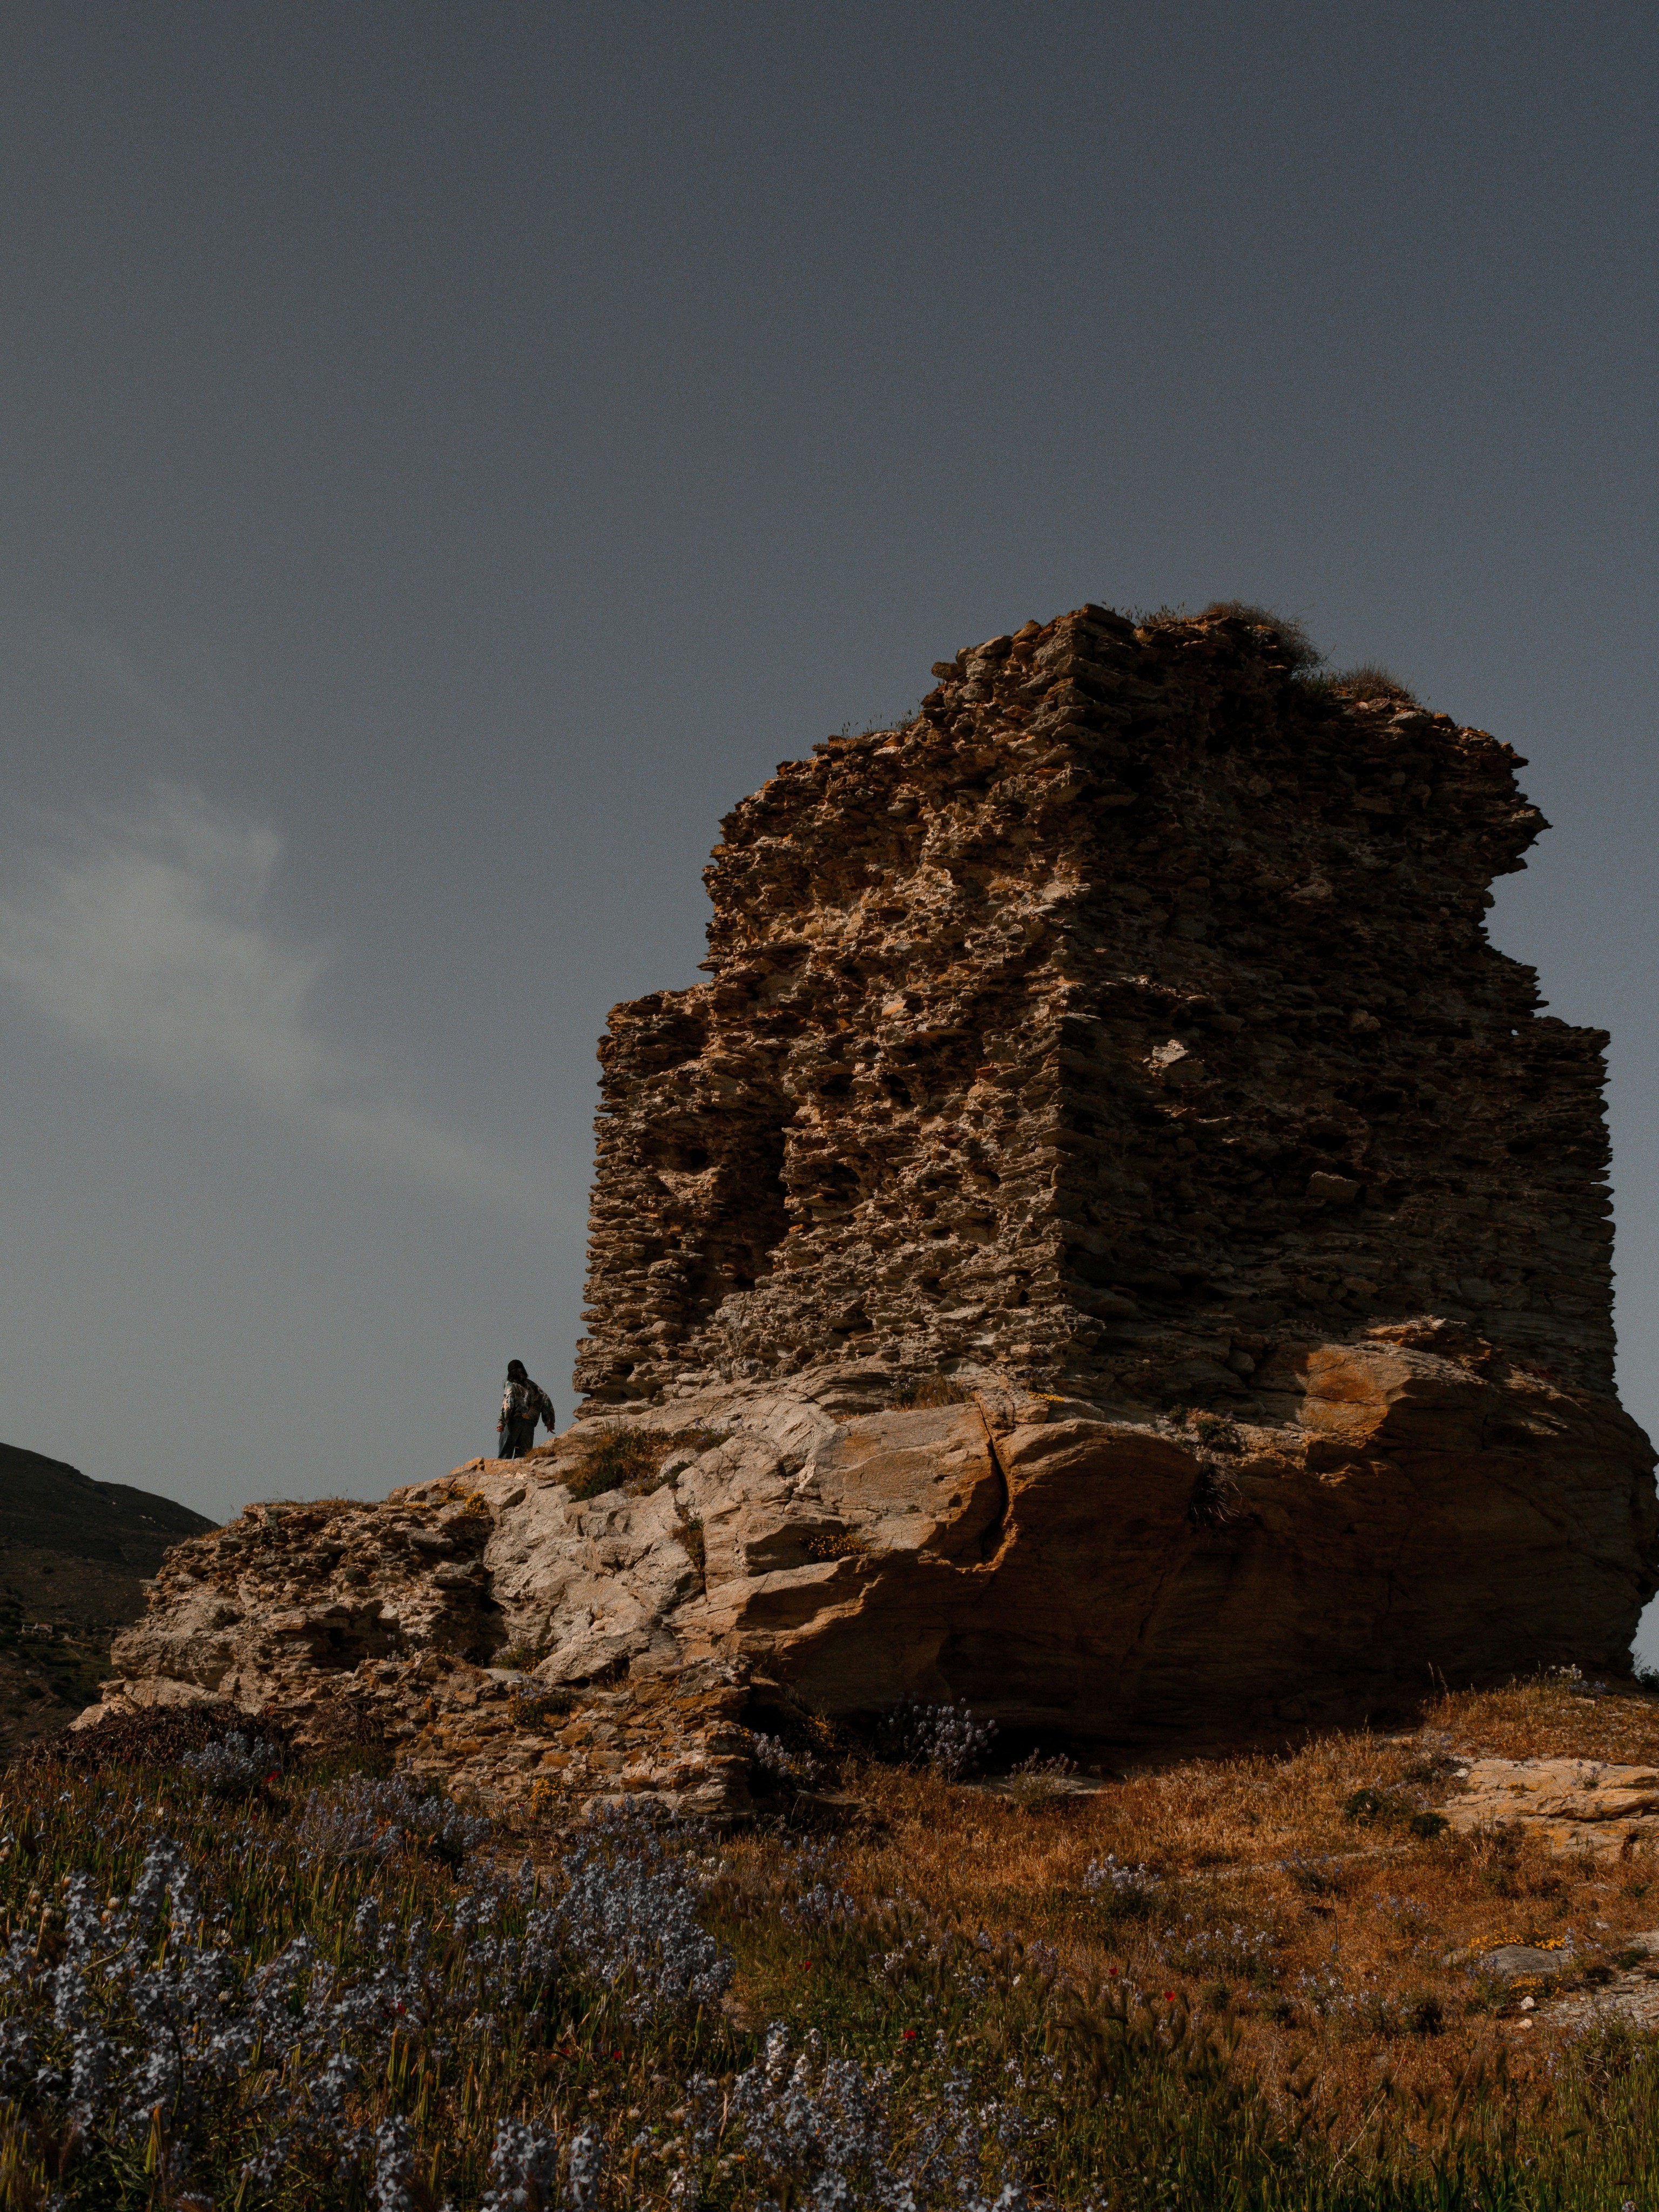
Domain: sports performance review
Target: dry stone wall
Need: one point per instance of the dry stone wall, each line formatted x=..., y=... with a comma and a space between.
x=1121, y=1019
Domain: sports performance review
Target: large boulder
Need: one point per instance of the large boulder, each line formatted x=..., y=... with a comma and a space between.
x=1416, y=1510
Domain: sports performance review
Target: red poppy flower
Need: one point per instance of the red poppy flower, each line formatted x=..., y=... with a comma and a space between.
x=909, y=2035
x=615, y=2054
x=1169, y=1996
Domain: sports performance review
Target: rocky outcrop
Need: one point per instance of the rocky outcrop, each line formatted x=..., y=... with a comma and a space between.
x=1126, y=1014
x=1566, y=1804
x=1417, y=1508
x=1111, y=1242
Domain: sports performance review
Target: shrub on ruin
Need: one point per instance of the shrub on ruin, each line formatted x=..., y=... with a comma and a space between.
x=1367, y=681
x=690, y=1534
x=840, y=1544
x=636, y=1460
x=1214, y=1501
x=621, y=1457
x=1218, y=1432
x=534, y=1705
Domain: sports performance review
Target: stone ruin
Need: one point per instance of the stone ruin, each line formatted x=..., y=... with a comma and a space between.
x=1125, y=1015
x=1111, y=1242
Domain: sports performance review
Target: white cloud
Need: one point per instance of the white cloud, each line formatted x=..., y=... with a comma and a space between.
x=147, y=938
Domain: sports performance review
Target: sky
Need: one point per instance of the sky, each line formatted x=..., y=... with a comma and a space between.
x=454, y=452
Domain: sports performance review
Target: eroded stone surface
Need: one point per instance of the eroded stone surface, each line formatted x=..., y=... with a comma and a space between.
x=1070, y=1573
x=1569, y=1804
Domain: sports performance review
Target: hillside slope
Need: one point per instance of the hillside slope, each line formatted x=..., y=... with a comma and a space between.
x=74, y=1557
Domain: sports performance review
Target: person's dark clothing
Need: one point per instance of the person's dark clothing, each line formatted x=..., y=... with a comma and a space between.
x=523, y=1404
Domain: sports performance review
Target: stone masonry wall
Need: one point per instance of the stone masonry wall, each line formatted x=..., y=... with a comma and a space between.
x=1126, y=1015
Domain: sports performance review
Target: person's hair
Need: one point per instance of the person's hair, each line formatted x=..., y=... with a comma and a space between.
x=515, y=1368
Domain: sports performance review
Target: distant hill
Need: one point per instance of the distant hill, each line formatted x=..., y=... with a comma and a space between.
x=54, y=1507
x=73, y=1558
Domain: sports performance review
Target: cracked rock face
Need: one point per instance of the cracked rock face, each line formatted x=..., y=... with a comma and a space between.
x=1427, y=1508
x=1569, y=1804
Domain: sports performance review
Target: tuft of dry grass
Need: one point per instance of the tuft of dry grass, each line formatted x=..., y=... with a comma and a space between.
x=1368, y=681
x=633, y=1460
x=845, y=1544
x=1554, y=1716
x=1299, y=648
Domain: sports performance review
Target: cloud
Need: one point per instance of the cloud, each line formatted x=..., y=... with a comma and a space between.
x=147, y=938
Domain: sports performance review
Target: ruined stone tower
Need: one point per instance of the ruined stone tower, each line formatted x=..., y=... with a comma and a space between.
x=1125, y=1015
x=1120, y=1035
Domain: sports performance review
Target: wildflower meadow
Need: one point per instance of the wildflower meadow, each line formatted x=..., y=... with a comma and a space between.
x=233, y=1976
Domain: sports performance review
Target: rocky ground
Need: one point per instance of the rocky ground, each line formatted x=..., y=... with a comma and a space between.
x=1091, y=1581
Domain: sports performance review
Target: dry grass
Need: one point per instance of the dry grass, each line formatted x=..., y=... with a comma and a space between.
x=1298, y=649
x=633, y=1460
x=930, y=1390
x=1296, y=1914
x=1552, y=1719
x=1368, y=681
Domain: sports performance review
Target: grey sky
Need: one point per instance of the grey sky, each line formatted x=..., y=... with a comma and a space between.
x=454, y=453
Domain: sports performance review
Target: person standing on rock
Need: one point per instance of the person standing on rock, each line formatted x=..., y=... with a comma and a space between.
x=523, y=1404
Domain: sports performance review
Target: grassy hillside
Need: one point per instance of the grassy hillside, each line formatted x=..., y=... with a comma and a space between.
x=1250, y=1985
x=74, y=1555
